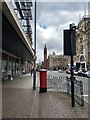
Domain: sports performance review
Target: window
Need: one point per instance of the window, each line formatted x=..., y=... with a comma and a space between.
x=81, y=49
x=82, y=58
x=81, y=39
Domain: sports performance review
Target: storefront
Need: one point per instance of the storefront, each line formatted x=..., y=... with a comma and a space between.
x=9, y=60
x=15, y=46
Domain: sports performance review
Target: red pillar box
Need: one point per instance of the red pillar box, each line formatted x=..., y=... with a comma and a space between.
x=43, y=81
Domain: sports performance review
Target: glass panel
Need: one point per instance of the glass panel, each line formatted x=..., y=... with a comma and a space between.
x=4, y=65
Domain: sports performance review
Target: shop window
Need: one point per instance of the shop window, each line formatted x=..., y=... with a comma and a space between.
x=4, y=65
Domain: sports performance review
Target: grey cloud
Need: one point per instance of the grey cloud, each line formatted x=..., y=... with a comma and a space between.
x=40, y=40
x=54, y=43
x=54, y=14
x=60, y=5
x=54, y=6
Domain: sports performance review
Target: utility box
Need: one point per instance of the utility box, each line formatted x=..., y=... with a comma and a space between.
x=43, y=81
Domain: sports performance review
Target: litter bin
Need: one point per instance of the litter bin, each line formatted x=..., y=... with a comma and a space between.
x=43, y=81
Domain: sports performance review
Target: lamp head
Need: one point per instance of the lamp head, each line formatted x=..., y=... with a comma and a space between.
x=72, y=26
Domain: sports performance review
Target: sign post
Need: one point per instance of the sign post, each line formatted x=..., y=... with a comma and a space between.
x=34, y=75
x=70, y=50
x=72, y=29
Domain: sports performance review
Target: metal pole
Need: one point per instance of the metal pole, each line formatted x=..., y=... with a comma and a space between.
x=72, y=75
x=72, y=84
x=34, y=75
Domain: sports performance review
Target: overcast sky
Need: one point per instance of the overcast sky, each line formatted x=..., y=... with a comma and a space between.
x=52, y=19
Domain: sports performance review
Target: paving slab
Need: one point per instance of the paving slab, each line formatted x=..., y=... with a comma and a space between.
x=20, y=101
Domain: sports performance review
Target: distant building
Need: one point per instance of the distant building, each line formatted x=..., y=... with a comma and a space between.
x=57, y=62
x=54, y=62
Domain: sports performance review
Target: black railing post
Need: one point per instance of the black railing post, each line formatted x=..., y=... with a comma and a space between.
x=81, y=91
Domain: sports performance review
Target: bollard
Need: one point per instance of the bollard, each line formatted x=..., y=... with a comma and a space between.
x=43, y=81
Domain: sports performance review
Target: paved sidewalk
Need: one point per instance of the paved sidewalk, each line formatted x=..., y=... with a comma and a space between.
x=20, y=101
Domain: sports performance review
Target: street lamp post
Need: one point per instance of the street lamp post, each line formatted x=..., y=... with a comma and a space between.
x=34, y=75
x=70, y=50
x=72, y=29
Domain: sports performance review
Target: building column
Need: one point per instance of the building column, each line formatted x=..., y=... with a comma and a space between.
x=85, y=66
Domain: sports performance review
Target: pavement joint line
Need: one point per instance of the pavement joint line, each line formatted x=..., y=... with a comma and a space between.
x=33, y=105
x=34, y=101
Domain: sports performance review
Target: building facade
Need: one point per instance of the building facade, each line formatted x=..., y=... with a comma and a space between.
x=57, y=62
x=83, y=43
x=16, y=48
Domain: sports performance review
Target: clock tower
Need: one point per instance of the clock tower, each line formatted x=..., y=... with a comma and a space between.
x=45, y=54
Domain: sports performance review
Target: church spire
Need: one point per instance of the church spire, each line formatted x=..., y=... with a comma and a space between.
x=45, y=53
x=45, y=46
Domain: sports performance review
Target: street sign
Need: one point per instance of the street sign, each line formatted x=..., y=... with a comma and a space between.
x=67, y=43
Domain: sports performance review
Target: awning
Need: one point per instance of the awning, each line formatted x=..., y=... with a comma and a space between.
x=12, y=43
x=13, y=39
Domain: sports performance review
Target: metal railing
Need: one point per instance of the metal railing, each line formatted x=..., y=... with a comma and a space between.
x=63, y=84
x=56, y=83
x=78, y=90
